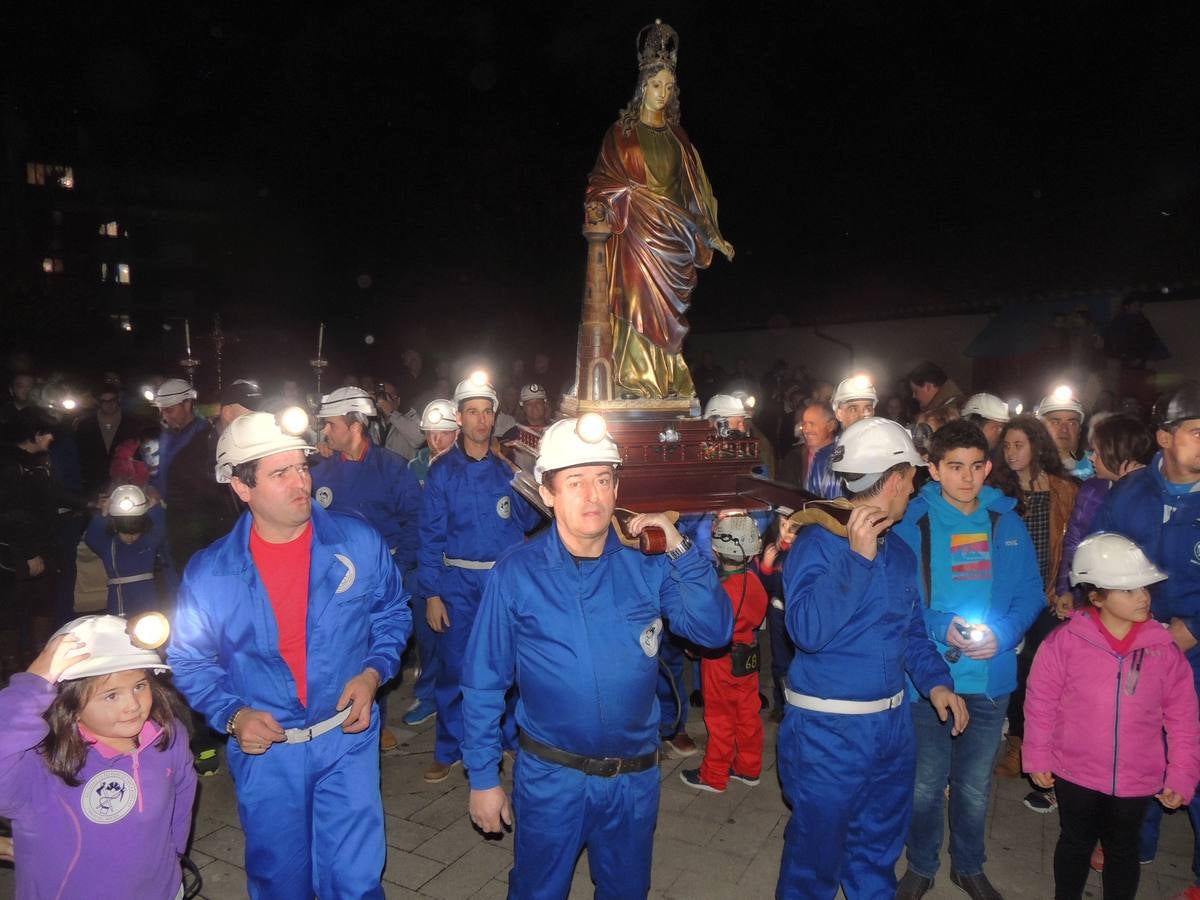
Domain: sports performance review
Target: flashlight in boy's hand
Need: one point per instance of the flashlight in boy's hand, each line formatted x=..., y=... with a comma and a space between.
x=971, y=633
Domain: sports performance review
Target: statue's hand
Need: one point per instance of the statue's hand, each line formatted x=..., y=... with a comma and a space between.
x=724, y=247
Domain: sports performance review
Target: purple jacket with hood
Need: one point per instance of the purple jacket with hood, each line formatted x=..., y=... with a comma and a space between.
x=1096, y=718
x=118, y=834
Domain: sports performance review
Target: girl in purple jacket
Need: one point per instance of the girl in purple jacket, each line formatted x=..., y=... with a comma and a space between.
x=95, y=770
x=1103, y=689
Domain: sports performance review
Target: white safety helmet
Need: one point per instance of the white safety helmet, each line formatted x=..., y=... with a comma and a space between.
x=576, y=442
x=474, y=386
x=1113, y=562
x=252, y=437
x=735, y=537
x=870, y=447
x=172, y=392
x=857, y=387
x=533, y=392
x=986, y=406
x=1061, y=399
x=127, y=500
x=117, y=644
x=438, y=416
x=722, y=406
x=347, y=400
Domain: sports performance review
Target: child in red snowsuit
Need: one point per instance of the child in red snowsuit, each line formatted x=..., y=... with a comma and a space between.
x=731, y=701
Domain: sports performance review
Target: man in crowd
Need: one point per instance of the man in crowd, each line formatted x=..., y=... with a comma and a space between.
x=284, y=632
x=933, y=389
x=1062, y=414
x=470, y=514
x=97, y=434
x=585, y=671
x=371, y=482
x=1158, y=507
x=175, y=400
x=846, y=747
x=989, y=414
x=398, y=430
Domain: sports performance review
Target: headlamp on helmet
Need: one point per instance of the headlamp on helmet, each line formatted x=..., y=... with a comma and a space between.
x=292, y=420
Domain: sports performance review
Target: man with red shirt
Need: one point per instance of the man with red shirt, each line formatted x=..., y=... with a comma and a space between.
x=285, y=629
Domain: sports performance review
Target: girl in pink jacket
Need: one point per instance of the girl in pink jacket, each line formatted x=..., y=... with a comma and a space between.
x=1103, y=689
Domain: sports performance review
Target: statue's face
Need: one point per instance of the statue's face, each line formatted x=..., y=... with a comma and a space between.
x=660, y=87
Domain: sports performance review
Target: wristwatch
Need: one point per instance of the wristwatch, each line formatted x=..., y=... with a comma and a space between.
x=684, y=546
x=231, y=725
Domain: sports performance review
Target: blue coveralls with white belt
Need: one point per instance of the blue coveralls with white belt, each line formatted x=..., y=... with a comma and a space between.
x=311, y=807
x=847, y=755
x=580, y=640
x=470, y=514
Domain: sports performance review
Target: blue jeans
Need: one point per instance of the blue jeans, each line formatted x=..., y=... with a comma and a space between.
x=965, y=763
x=1148, y=844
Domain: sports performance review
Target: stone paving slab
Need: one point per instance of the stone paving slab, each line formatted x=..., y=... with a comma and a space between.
x=707, y=845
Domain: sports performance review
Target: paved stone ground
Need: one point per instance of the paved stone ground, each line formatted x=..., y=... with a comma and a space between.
x=707, y=846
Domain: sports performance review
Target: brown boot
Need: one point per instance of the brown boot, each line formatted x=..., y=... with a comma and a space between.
x=1010, y=764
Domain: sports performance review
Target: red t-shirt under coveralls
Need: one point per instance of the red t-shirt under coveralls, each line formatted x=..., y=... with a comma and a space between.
x=284, y=571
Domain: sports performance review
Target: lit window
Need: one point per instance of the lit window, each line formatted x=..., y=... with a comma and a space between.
x=110, y=229
x=51, y=264
x=122, y=273
x=50, y=173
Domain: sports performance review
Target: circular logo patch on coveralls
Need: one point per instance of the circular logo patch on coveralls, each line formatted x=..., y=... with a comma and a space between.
x=324, y=496
x=651, y=637
x=108, y=796
x=504, y=507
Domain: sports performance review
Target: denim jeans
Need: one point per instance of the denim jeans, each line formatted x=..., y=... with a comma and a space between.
x=1148, y=840
x=965, y=763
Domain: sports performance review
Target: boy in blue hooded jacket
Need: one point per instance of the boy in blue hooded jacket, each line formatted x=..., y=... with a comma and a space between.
x=979, y=581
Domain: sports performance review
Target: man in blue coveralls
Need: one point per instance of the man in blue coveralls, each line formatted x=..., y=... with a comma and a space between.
x=284, y=631
x=574, y=618
x=1159, y=508
x=373, y=483
x=470, y=514
x=847, y=755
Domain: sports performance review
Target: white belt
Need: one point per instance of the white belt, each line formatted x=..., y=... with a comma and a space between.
x=468, y=563
x=130, y=579
x=843, y=707
x=303, y=735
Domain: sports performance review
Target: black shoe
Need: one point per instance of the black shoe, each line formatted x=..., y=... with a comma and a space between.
x=697, y=699
x=977, y=887
x=913, y=886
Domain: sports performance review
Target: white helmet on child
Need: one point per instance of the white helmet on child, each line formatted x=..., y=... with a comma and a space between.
x=117, y=645
x=250, y=437
x=735, y=537
x=127, y=500
x=438, y=415
x=576, y=442
x=1113, y=562
x=347, y=400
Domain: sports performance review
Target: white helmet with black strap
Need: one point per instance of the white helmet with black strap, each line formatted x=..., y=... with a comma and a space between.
x=584, y=441
x=476, y=386
x=438, y=415
x=347, y=400
x=870, y=447
x=172, y=392
x=250, y=437
x=1113, y=562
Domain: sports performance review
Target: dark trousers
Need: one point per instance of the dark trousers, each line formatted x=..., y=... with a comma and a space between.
x=1085, y=816
x=1045, y=623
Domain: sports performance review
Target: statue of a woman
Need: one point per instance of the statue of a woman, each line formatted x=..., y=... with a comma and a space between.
x=649, y=180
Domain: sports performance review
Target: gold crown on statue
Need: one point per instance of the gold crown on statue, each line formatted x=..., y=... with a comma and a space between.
x=658, y=46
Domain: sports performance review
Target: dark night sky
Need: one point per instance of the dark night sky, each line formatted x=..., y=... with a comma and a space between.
x=864, y=155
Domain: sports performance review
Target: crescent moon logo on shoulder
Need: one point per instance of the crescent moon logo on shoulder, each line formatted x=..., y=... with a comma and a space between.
x=348, y=579
x=324, y=496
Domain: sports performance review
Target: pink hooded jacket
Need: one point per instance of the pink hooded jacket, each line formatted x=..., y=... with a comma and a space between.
x=1097, y=719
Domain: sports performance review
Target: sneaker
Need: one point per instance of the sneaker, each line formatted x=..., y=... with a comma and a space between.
x=421, y=713
x=751, y=780
x=1041, y=801
x=439, y=771
x=207, y=762
x=681, y=745
x=691, y=777
x=977, y=887
x=913, y=886
x=1097, y=860
x=387, y=741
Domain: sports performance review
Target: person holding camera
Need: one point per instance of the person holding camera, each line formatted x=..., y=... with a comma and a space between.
x=979, y=578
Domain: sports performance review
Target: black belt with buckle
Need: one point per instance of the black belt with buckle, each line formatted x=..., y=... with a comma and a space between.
x=602, y=766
